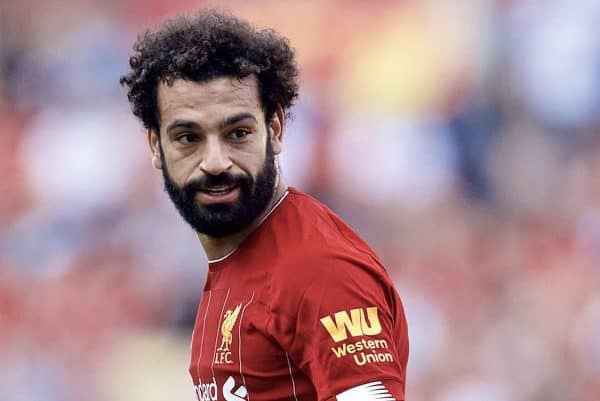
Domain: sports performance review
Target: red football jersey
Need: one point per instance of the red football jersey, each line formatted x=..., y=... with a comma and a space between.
x=302, y=310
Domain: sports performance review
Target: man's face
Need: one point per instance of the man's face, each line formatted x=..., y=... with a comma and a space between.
x=216, y=152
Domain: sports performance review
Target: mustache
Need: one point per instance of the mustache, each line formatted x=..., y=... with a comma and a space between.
x=208, y=181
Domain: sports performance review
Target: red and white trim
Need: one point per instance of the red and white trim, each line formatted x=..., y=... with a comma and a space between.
x=374, y=391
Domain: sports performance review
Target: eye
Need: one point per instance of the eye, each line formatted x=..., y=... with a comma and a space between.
x=186, y=139
x=238, y=134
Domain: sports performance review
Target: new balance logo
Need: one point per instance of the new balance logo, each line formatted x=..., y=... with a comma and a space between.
x=237, y=395
x=357, y=323
x=208, y=391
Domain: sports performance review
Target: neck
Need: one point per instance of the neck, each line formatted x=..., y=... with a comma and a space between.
x=216, y=248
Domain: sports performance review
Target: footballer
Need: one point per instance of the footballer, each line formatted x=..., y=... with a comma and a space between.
x=296, y=305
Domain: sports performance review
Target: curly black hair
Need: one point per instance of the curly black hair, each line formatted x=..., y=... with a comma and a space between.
x=205, y=46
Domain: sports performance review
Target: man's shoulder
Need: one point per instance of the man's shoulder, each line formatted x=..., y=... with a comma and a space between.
x=320, y=246
x=309, y=224
x=335, y=261
x=301, y=208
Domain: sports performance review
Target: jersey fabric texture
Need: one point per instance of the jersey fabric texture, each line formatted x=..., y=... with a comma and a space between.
x=302, y=310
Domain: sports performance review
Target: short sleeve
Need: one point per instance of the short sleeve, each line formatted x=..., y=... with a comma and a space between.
x=349, y=334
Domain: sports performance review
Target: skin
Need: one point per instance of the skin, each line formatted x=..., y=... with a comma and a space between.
x=214, y=127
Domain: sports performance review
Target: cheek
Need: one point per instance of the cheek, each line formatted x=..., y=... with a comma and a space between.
x=179, y=168
x=252, y=162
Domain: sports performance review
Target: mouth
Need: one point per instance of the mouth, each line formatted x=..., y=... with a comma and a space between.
x=218, y=194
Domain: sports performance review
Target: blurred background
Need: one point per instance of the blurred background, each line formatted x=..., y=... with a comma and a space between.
x=461, y=139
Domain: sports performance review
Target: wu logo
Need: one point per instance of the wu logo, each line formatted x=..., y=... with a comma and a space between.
x=357, y=323
x=223, y=354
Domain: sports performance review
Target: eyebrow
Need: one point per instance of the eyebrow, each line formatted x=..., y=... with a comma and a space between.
x=237, y=118
x=183, y=124
x=190, y=125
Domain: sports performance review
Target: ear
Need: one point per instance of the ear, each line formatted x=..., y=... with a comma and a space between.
x=275, y=128
x=154, y=142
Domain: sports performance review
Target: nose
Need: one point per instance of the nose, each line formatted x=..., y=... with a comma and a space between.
x=215, y=159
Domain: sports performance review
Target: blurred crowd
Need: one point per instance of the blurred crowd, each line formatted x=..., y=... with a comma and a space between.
x=461, y=139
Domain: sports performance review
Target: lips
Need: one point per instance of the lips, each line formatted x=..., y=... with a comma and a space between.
x=219, y=190
x=218, y=194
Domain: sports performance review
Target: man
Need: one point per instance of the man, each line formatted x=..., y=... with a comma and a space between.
x=296, y=306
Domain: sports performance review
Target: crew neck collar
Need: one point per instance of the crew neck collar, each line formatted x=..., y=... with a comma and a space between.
x=212, y=262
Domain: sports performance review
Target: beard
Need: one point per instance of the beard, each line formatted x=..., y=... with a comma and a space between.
x=222, y=219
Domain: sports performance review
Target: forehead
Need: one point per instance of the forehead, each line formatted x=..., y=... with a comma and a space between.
x=208, y=102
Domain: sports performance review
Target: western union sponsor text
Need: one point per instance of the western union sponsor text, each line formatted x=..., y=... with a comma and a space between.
x=358, y=348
